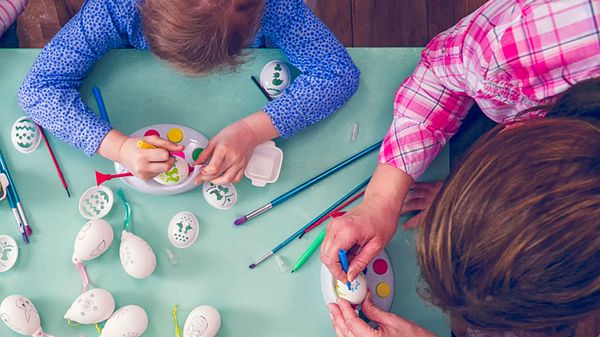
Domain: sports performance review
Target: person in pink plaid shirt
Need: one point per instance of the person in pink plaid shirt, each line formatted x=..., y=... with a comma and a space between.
x=506, y=57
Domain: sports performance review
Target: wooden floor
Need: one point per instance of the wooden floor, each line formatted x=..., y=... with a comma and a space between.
x=390, y=23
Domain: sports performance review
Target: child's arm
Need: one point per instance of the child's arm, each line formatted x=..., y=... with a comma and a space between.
x=9, y=11
x=329, y=76
x=427, y=113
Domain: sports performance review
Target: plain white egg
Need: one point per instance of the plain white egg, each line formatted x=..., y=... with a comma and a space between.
x=176, y=175
x=20, y=315
x=183, y=229
x=94, y=238
x=130, y=321
x=358, y=289
x=203, y=321
x=91, y=307
x=137, y=257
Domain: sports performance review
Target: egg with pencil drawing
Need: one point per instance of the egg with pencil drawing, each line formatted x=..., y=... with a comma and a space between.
x=128, y=321
x=137, y=257
x=176, y=175
x=91, y=307
x=203, y=321
x=357, y=292
x=93, y=239
x=21, y=316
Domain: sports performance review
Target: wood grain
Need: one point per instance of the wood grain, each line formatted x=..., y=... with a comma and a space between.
x=337, y=15
x=443, y=14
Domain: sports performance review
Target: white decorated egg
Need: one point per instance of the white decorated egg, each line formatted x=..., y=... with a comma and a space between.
x=275, y=77
x=21, y=316
x=91, y=307
x=219, y=196
x=183, y=229
x=357, y=292
x=203, y=321
x=176, y=175
x=128, y=321
x=93, y=239
x=137, y=257
x=9, y=251
x=25, y=135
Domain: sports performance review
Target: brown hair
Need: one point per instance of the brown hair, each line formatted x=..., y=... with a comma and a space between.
x=198, y=36
x=512, y=242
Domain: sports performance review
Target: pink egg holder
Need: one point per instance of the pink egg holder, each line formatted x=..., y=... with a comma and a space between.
x=379, y=275
x=192, y=140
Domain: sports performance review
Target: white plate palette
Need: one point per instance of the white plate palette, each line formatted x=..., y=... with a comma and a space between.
x=194, y=143
x=25, y=135
x=380, y=280
x=96, y=202
x=9, y=251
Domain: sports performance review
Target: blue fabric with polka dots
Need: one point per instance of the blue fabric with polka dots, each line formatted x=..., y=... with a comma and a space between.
x=50, y=92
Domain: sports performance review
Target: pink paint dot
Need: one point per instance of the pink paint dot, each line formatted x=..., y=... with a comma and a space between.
x=179, y=154
x=151, y=132
x=380, y=266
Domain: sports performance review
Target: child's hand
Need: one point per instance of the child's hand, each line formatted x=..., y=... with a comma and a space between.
x=346, y=322
x=147, y=163
x=231, y=149
x=419, y=198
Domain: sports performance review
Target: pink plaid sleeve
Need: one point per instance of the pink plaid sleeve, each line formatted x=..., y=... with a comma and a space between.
x=426, y=115
x=9, y=11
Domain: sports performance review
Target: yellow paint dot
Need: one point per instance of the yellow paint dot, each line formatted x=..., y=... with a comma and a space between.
x=175, y=135
x=383, y=290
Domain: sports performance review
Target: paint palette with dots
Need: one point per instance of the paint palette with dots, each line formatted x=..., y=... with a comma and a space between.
x=380, y=281
x=194, y=143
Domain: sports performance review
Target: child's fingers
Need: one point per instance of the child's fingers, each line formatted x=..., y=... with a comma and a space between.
x=215, y=166
x=227, y=177
x=156, y=155
x=411, y=205
x=414, y=221
x=163, y=143
x=206, y=153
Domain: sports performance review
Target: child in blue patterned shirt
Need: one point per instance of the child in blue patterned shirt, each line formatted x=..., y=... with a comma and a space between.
x=195, y=36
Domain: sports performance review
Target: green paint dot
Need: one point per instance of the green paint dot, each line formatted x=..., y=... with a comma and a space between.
x=196, y=153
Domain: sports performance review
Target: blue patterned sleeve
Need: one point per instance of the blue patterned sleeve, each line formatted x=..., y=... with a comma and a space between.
x=329, y=76
x=50, y=92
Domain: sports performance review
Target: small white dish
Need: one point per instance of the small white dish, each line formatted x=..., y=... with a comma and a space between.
x=275, y=77
x=219, y=196
x=203, y=321
x=183, y=229
x=9, y=252
x=265, y=164
x=96, y=202
x=25, y=135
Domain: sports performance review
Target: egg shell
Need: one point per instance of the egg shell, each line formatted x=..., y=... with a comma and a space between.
x=183, y=229
x=275, y=77
x=176, y=175
x=203, y=321
x=20, y=315
x=137, y=257
x=129, y=321
x=93, y=239
x=9, y=252
x=219, y=196
x=25, y=135
x=358, y=290
x=91, y=307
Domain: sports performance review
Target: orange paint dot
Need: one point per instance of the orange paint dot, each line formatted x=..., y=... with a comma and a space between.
x=383, y=290
x=175, y=135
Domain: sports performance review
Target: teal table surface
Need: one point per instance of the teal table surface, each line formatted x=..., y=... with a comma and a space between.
x=139, y=91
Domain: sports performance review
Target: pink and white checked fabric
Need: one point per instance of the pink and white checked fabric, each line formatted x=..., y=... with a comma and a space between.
x=507, y=56
x=9, y=11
